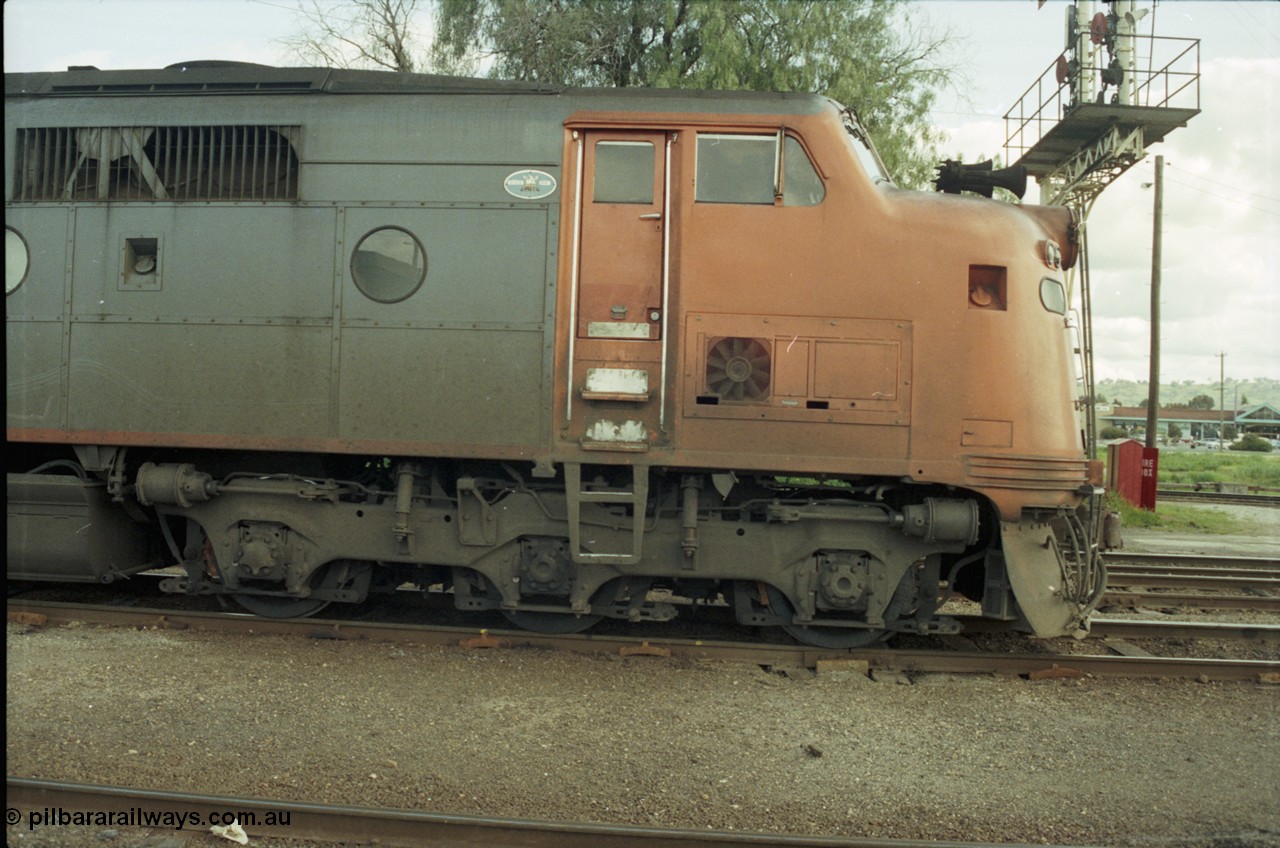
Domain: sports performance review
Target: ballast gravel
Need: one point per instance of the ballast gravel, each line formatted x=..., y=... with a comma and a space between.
x=680, y=743
x=545, y=734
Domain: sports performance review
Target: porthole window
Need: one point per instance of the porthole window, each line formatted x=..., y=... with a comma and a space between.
x=17, y=260
x=389, y=264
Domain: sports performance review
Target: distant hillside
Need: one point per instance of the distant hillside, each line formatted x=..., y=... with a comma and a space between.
x=1131, y=393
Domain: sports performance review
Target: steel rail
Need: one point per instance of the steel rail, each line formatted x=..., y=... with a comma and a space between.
x=1141, y=598
x=1218, y=498
x=764, y=654
x=1102, y=627
x=352, y=824
x=1182, y=577
x=1106, y=627
x=1195, y=560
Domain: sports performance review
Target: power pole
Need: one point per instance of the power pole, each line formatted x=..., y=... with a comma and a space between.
x=1222, y=390
x=1153, y=380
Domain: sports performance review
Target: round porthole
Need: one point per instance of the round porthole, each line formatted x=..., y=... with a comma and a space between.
x=388, y=265
x=17, y=260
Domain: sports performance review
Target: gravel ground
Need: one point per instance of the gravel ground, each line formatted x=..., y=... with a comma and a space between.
x=542, y=734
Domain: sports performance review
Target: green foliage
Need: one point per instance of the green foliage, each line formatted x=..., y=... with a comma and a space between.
x=1200, y=402
x=1253, y=443
x=1130, y=515
x=1178, y=518
x=1180, y=392
x=868, y=54
x=1214, y=466
x=1111, y=432
x=1175, y=432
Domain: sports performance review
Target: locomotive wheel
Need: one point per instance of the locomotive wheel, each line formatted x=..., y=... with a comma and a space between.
x=838, y=638
x=268, y=606
x=551, y=622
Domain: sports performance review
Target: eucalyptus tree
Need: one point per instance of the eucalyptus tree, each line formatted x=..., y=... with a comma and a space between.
x=877, y=56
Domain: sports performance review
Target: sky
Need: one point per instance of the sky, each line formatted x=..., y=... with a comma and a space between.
x=1220, y=282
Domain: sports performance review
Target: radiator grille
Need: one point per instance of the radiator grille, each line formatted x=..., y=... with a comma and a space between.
x=157, y=163
x=1026, y=472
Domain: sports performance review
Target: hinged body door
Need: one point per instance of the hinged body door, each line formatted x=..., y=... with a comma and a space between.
x=620, y=292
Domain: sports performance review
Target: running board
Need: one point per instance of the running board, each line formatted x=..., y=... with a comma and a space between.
x=576, y=496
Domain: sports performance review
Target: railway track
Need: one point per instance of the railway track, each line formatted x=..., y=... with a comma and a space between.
x=365, y=825
x=1236, y=499
x=1205, y=564
x=1147, y=580
x=963, y=661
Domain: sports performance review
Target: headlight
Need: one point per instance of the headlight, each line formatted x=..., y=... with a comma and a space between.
x=1052, y=254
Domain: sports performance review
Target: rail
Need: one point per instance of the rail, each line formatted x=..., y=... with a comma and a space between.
x=343, y=824
x=1048, y=100
x=1028, y=665
x=1253, y=497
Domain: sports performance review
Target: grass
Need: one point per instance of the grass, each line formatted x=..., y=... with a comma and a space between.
x=1186, y=467
x=1184, y=518
x=1225, y=466
x=1215, y=466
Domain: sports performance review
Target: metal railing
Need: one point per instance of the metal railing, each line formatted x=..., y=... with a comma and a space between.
x=1047, y=101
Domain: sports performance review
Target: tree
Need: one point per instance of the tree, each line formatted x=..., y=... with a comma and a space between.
x=1175, y=432
x=872, y=55
x=1200, y=402
x=360, y=33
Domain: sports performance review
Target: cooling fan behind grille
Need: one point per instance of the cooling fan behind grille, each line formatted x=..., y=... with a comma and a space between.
x=739, y=368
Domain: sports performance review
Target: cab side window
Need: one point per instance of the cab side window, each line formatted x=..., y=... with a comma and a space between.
x=624, y=172
x=747, y=169
x=801, y=185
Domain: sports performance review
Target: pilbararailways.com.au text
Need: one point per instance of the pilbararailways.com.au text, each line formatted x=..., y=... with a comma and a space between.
x=139, y=817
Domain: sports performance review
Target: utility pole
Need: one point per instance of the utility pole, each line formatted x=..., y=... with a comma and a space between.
x=1153, y=380
x=1222, y=390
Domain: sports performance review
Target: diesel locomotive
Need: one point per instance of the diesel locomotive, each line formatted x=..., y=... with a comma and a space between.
x=311, y=334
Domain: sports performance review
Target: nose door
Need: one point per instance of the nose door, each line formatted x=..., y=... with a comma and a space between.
x=616, y=384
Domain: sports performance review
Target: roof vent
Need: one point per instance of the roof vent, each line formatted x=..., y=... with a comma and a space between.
x=212, y=63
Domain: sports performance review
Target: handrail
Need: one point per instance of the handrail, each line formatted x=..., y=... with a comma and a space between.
x=1046, y=102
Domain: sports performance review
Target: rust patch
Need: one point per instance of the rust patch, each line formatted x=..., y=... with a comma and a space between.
x=1055, y=672
x=843, y=665
x=484, y=640
x=29, y=619
x=644, y=649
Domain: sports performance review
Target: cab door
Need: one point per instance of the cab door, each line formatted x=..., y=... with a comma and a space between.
x=620, y=288
x=617, y=341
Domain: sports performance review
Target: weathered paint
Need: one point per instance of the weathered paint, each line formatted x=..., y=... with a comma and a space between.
x=568, y=323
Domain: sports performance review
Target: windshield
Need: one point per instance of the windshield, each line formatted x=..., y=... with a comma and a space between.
x=860, y=141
